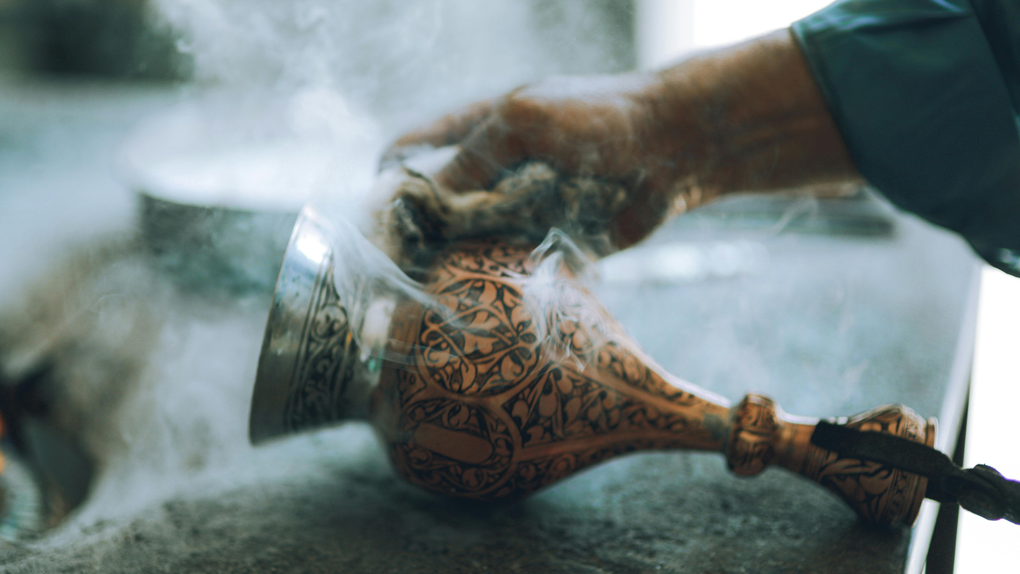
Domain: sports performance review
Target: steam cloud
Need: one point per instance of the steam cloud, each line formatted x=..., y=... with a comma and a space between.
x=159, y=382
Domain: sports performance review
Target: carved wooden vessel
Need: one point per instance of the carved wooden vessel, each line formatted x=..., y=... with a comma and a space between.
x=475, y=399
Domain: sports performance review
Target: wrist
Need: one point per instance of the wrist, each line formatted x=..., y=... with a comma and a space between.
x=748, y=118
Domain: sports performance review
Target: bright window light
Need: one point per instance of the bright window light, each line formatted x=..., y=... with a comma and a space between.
x=721, y=22
x=668, y=29
x=984, y=546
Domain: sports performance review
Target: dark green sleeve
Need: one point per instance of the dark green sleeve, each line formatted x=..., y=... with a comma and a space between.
x=923, y=94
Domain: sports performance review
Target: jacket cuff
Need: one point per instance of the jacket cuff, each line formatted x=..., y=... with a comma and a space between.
x=923, y=107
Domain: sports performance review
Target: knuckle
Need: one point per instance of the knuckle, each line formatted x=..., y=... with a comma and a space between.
x=520, y=110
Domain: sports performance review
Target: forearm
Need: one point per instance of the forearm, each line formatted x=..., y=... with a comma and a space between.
x=746, y=118
x=752, y=119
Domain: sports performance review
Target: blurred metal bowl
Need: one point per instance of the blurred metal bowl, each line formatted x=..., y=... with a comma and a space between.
x=209, y=248
x=217, y=198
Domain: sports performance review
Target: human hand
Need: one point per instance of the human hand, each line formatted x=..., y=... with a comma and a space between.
x=601, y=128
x=744, y=118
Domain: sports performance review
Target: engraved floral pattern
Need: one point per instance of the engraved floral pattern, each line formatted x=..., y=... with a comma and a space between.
x=481, y=341
x=326, y=360
x=880, y=494
x=478, y=407
x=755, y=424
x=564, y=404
x=487, y=411
x=460, y=432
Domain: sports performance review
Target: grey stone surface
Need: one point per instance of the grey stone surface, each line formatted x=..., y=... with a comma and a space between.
x=826, y=325
x=347, y=512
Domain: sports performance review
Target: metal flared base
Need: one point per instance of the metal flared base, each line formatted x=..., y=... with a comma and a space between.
x=309, y=354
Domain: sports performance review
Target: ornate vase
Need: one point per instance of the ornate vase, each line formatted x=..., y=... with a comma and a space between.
x=477, y=394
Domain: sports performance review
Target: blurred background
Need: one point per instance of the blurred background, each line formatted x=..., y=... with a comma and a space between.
x=130, y=39
x=103, y=38
x=127, y=116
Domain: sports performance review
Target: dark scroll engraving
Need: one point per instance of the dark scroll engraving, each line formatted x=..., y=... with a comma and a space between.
x=522, y=413
x=755, y=424
x=486, y=404
x=879, y=493
x=326, y=360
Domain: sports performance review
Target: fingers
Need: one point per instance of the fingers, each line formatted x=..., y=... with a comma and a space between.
x=448, y=130
x=490, y=149
x=518, y=127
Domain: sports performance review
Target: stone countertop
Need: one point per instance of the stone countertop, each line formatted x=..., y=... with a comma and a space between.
x=348, y=513
x=825, y=324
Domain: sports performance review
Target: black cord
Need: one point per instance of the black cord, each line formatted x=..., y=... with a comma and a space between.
x=981, y=490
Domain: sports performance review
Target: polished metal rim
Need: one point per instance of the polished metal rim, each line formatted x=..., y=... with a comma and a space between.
x=303, y=271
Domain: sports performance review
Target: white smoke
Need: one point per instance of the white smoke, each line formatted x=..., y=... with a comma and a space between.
x=289, y=98
x=401, y=60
